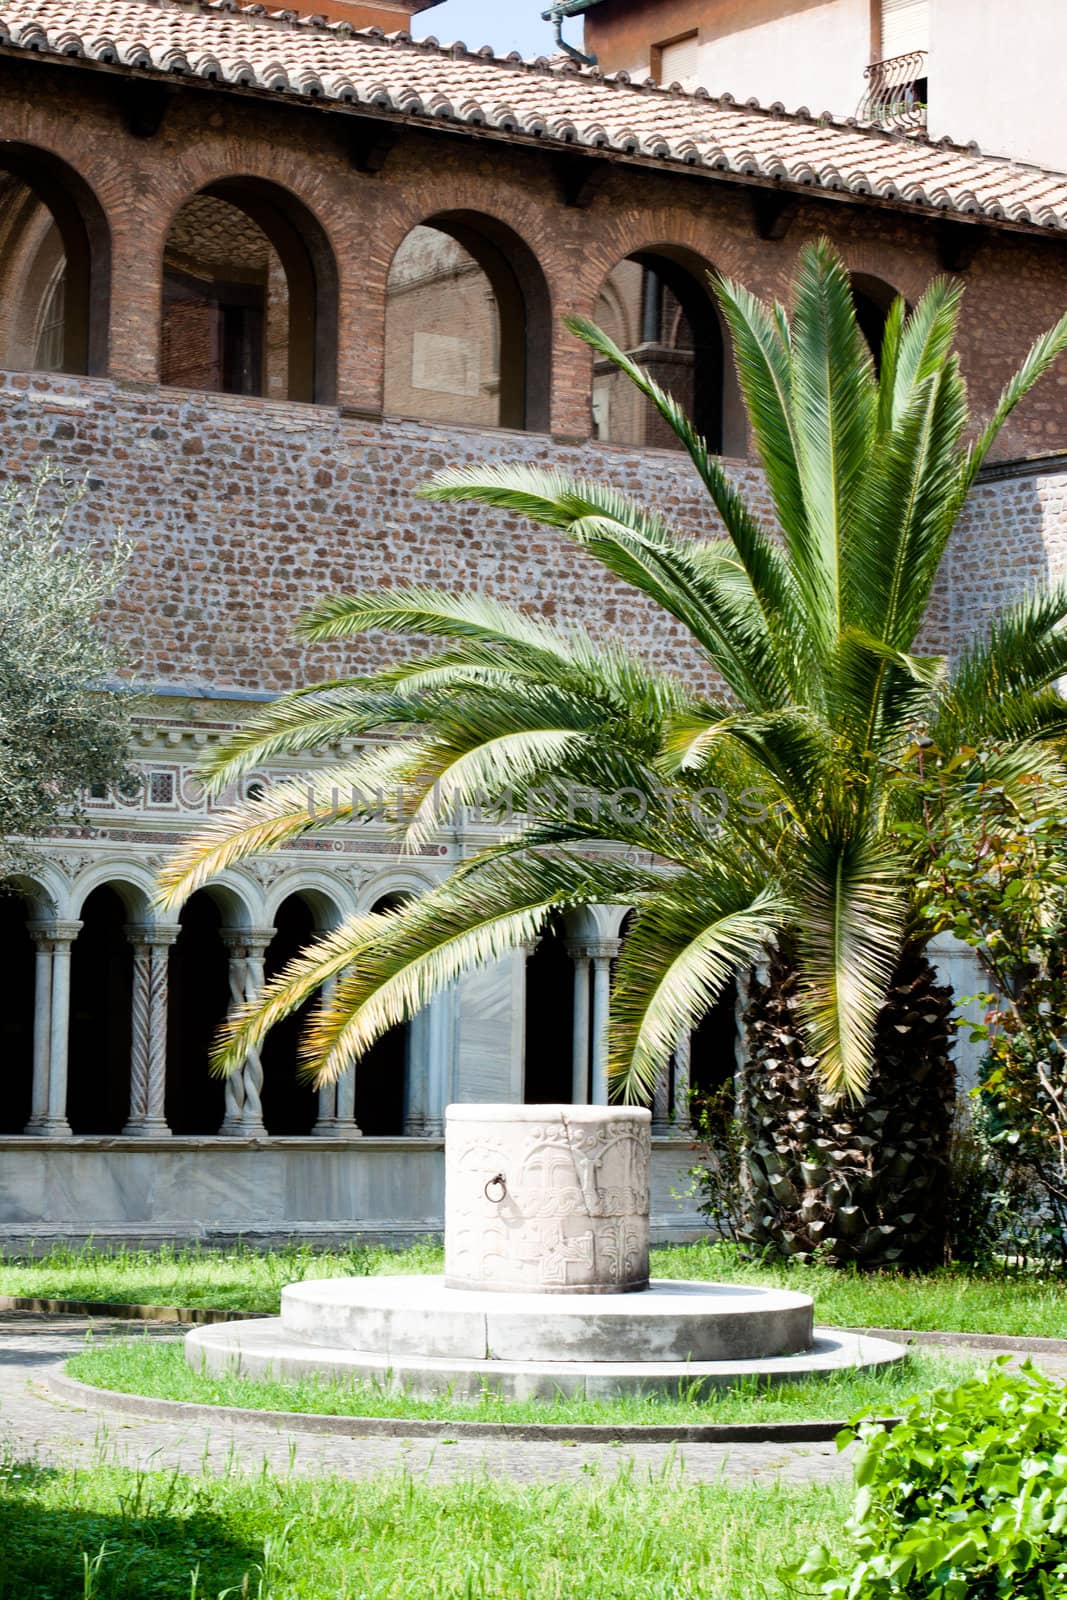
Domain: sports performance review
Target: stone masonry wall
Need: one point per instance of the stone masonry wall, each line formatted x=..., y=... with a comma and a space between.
x=243, y=513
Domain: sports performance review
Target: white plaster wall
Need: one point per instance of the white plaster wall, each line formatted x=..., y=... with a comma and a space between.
x=958, y=966
x=996, y=76
x=802, y=52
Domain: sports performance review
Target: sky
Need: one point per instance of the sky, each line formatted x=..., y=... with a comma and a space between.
x=505, y=24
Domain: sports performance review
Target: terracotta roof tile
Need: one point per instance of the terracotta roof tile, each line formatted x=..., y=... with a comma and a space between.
x=276, y=51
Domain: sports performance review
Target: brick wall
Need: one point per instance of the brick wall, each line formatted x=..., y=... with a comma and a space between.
x=1017, y=284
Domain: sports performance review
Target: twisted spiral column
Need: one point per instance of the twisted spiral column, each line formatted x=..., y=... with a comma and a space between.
x=148, y=1030
x=233, y=1112
x=252, y=1125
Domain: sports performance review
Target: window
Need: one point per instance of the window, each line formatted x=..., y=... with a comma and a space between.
x=905, y=27
x=468, y=327
x=249, y=296
x=658, y=311
x=51, y=329
x=678, y=61
x=224, y=298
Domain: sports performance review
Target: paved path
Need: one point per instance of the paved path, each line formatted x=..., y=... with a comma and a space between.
x=35, y=1425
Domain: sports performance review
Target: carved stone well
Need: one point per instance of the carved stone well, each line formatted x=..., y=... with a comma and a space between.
x=547, y=1199
x=546, y=1288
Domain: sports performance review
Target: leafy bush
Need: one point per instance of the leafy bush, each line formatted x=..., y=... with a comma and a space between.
x=997, y=880
x=966, y=1499
x=982, y=1205
x=715, y=1185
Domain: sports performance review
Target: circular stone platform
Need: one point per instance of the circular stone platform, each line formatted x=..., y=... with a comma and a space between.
x=419, y=1335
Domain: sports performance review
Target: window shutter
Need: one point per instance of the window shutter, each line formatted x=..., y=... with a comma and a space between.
x=678, y=62
x=905, y=27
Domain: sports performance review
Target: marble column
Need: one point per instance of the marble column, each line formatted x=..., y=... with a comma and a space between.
x=243, y=1116
x=439, y=1042
x=148, y=1031
x=683, y=1126
x=602, y=953
x=417, y=1075
x=51, y=1027
x=661, y=1104
x=327, y=1117
x=580, y=1046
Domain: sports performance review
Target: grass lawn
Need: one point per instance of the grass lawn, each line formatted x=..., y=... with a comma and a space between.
x=103, y=1533
x=158, y=1368
x=954, y=1300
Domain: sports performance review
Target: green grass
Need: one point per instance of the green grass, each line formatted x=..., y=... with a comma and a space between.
x=953, y=1300
x=605, y=1536
x=158, y=1368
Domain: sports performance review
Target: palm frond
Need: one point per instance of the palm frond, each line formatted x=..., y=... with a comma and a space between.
x=1040, y=359
x=769, y=578
x=834, y=401
x=685, y=944
x=478, y=917
x=854, y=899
x=357, y=790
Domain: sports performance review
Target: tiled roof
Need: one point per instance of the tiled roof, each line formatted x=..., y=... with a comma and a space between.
x=558, y=105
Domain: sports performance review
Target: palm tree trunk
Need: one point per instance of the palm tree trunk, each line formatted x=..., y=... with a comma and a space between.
x=861, y=1182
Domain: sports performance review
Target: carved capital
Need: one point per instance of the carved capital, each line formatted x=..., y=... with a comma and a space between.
x=152, y=935
x=54, y=933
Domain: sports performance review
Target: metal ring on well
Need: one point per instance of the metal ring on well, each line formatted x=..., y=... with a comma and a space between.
x=499, y=1182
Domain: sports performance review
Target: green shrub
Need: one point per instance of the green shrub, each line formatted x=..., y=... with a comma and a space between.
x=966, y=1499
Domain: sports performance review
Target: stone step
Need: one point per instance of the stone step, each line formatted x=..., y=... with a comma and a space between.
x=670, y=1321
x=265, y=1349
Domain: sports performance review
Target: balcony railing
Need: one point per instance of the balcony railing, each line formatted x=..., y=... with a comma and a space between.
x=896, y=93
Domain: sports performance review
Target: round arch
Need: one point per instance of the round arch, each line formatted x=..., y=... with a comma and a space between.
x=523, y=324
x=133, y=884
x=309, y=267
x=873, y=298
x=318, y=891
x=399, y=883
x=82, y=336
x=665, y=313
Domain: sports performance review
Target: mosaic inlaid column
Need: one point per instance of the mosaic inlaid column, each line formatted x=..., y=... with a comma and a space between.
x=148, y=1031
x=661, y=1104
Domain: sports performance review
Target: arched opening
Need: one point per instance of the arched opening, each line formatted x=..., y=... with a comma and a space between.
x=249, y=296
x=658, y=308
x=468, y=327
x=55, y=266
x=872, y=298
x=199, y=1000
x=712, y=1067
x=548, y=1078
x=17, y=962
x=383, y=1076
x=290, y=1103
x=101, y=990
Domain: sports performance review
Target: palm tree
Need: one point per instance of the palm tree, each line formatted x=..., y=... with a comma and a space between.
x=816, y=738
